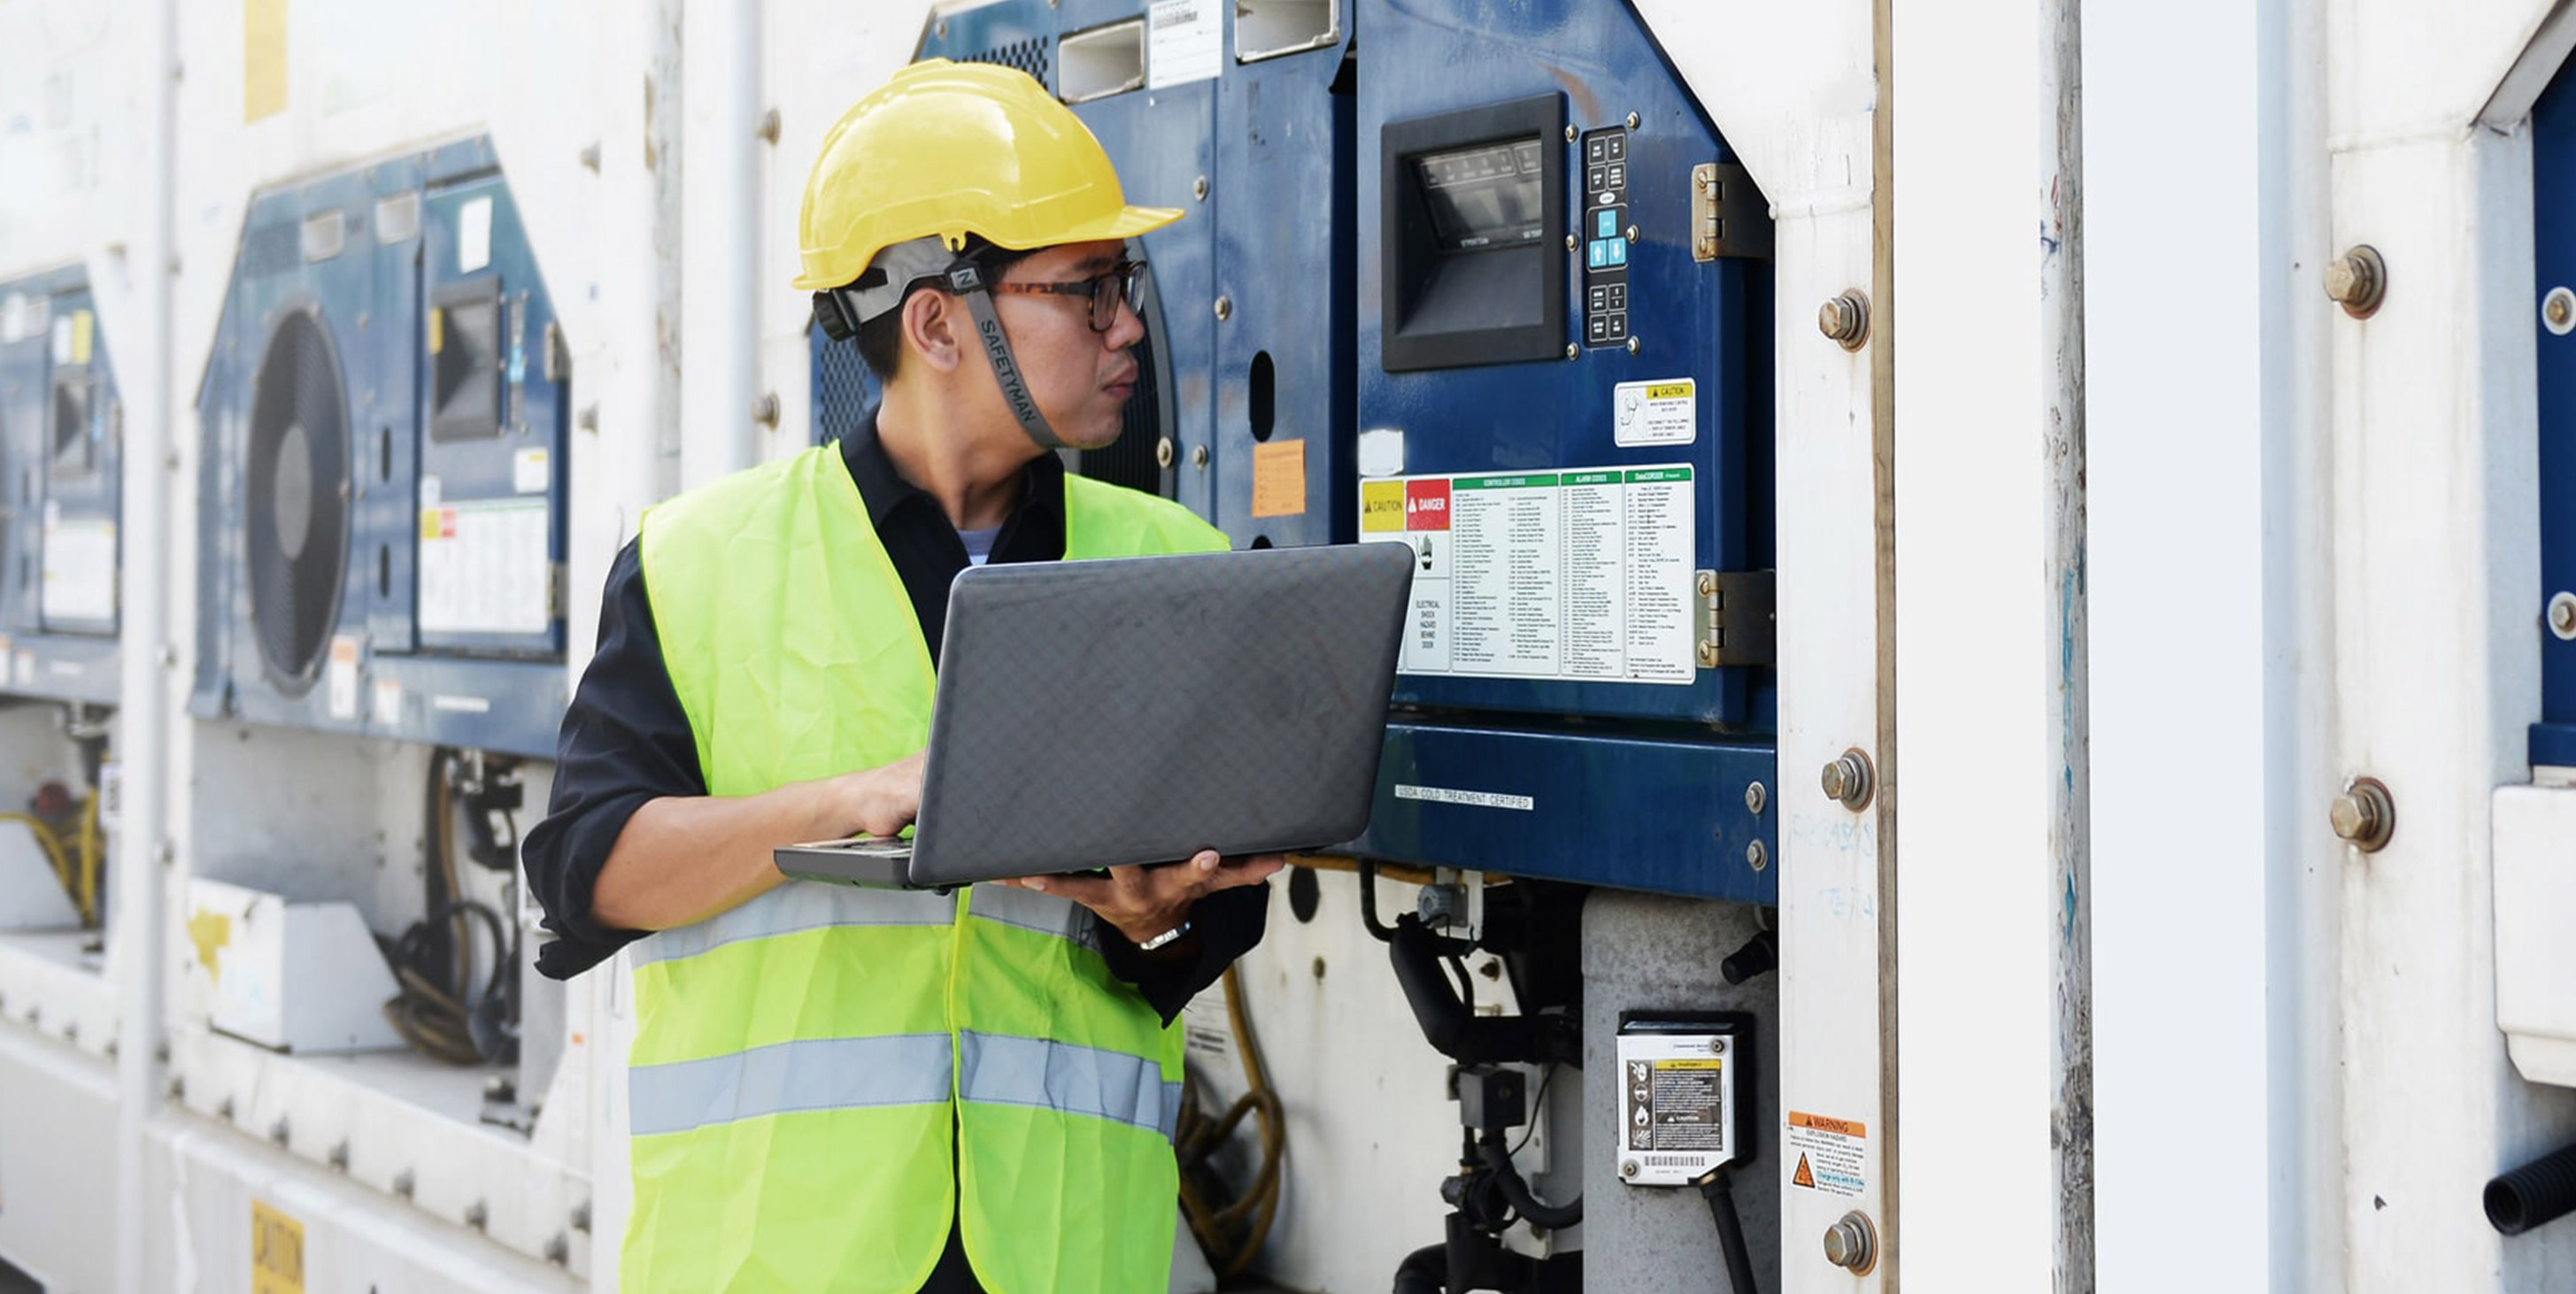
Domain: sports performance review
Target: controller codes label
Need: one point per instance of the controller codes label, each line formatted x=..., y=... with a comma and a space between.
x=1583, y=575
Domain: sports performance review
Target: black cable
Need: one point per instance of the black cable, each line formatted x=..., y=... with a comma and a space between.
x=1377, y=929
x=1538, y=1106
x=1720, y=1193
x=1555, y=1217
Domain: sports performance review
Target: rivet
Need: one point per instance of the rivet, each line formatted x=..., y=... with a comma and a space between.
x=1163, y=452
x=2562, y=615
x=1569, y=242
x=1628, y=1168
x=1569, y=134
x=1199, y=456
x=1572, y=350
x=1633, y=343
x=1632, y=233
x=1633, y=121
x=1225, y=307
x=1199, y=188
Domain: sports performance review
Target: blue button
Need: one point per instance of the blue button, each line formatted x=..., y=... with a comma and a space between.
x=1599, y=252
x=1618, y=251
x=1607, y=224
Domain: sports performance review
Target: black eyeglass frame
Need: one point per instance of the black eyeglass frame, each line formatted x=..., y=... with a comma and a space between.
x=1118, y=285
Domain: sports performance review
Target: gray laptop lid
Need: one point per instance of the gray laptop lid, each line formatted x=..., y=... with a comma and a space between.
x=1096, y=713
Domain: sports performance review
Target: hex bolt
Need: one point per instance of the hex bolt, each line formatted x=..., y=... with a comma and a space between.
x=2364, y=815
x=478, y=1215
x=580, y=1218
x=1756, y=795
x=765, y=410
x=1757, y=856
x=405, y=1183
x=1165, y=452
x=1845, y=319
x=277, y=1131
x=2358, y=280
x=559, y=1249
x=1199, y=188
x=1848, y=780
x=768, y=126
x=2562, y=615
x=589, y=418
x=225, y=1110
x=1852, y=1243
x=178, y=1088
x=1225, y=307
x=2558, y=312
x=340, y=1155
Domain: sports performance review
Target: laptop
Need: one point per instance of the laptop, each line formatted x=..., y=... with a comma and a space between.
x=1137, y=710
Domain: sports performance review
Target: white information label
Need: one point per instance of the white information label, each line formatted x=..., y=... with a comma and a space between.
x=473, y=235
x=1655, y=413
x=111, y=796
x=388, y=707
x=63, y=340
x=1829, y=1156
x=340, y=677
x=1185, y=42
x=1582, y=575
x=80, y=568
x=529, y=472
x=1476, y=799
x=1676, y=1106
x=1382, y=452
x=484, y=567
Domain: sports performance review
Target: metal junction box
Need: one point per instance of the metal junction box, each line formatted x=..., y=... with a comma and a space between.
x=383, y=492
x=62, y=432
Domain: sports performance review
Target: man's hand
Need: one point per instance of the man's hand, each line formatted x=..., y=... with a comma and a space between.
x=877, y=801
x=1143, y=902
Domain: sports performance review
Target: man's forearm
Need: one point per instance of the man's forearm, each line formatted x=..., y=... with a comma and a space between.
x=683, y=859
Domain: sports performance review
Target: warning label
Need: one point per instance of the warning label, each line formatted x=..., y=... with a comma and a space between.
x=1674, y=1092
x=1832, y=1154
x=1575, y=575
x=1655, y=413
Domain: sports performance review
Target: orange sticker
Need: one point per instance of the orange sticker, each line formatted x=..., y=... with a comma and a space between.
x=1845, y=1127
x=1279, y=479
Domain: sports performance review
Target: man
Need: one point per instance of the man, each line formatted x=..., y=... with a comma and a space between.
x=867, y=1090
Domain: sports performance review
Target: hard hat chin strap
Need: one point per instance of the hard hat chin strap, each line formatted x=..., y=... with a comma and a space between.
x=966, y=282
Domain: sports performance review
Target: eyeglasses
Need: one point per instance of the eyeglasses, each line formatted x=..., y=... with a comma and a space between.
x=1108, y=290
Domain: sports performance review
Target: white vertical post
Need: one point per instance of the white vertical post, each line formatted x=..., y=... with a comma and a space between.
x=144, y=731
x=1979, y=641
x=2206, y=577
x=720, y=230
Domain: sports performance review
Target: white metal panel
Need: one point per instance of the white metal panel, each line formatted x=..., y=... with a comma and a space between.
x=2435, y=529
x=1977, y=651
x=206, y=1181
x=300, y=977
x=2535, y=877
x=1794, y=89
x=50, y=985
x=59, y=89
x=57, y=1163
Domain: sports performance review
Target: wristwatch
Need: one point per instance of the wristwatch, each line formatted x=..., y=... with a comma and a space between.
x=1168, y=936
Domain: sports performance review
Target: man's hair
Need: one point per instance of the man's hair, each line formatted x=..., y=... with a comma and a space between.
x=880, y=340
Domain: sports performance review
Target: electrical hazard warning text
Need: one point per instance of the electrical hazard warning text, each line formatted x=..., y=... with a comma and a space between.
x=1831, y=1155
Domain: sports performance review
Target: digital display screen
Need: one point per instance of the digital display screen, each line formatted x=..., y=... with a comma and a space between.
x=1484, y=197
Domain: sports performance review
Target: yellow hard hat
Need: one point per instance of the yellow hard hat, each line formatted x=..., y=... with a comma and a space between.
x=948, y=149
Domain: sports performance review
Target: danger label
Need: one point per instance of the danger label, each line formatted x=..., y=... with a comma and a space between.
x=1831, y=1155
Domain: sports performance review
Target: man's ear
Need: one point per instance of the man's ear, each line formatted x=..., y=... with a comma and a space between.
x=932, y=321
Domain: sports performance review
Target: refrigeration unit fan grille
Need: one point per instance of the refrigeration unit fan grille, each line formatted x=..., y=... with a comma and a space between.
x=298, y=498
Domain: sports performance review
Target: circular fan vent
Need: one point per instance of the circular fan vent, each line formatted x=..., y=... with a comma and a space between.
x=298, y=485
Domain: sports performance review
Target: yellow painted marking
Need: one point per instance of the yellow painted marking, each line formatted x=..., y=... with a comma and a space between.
x=211, y=932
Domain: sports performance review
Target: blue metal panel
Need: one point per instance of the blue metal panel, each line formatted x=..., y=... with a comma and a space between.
x=496, y=691
x=1688, y=319
x=2553, y=186
x=1633, y=812
x=62, y=467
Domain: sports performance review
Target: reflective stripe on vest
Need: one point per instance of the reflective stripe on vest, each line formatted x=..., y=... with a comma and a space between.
x=887, y=1053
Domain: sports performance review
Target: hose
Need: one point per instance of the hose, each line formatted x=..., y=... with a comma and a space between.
x=1538, y=1212
x=2538, y=1192
x=1231, y=1234
x=1424, y=1271
x=93, y=851
x=1368, y=903
x=436, y=1011
x=1719, y=1190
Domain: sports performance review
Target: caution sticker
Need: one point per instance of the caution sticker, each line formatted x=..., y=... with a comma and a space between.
x=1830, y=1156
x=1655, y=413
x=276, y=1251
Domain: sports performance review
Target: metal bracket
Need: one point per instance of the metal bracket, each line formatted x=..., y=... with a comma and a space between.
x=558, y=597
x=1740, y=628
x=1729, y=217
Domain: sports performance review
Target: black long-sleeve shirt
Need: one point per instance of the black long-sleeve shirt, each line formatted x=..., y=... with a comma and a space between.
x=626, y=739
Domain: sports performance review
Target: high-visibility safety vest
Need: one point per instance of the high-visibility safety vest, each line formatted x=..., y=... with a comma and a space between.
x=820, y=1074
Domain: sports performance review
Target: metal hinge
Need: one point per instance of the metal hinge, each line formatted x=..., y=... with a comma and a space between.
x=1739, y=628
x=557, y=597
x=1729, y=216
